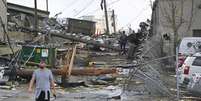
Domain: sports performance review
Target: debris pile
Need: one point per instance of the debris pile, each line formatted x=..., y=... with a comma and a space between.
x=146, y=67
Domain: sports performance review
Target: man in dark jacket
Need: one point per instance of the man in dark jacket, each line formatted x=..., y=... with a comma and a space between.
x=123, y=42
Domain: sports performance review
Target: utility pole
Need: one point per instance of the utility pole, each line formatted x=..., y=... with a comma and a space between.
x=106, y=17
x=35, y=18
x=47, y=6
x=114, y=21
x=151, y=4
x=177, y=74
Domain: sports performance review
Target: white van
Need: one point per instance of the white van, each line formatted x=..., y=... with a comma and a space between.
x=190, y=46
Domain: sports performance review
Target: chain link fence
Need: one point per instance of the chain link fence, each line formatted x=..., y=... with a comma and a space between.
x=147, y=69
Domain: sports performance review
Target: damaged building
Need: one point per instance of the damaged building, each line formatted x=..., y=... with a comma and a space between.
x=22, y=16
x=81, y=26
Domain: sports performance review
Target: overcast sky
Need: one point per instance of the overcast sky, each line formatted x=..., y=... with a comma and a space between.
x=129, y=12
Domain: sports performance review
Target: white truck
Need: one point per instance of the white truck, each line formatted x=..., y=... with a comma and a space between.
x=190, y=45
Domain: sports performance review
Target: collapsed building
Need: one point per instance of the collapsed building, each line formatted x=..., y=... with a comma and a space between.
x=20, y=17
x=23, y=16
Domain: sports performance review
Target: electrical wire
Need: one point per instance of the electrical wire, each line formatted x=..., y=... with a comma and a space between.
x=69, y=5
x=139, y=14
x=113, y=2
x=135, y=18
x=98, y=9
x=8, y=38
x=14, y=58
x=29, y=57
x=87, y=5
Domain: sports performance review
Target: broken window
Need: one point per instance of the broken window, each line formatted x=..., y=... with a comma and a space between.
x=197, y=33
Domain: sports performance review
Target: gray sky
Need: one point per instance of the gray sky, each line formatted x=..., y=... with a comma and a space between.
x=129, y=12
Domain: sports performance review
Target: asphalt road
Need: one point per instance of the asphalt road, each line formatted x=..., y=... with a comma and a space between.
x=20, y=94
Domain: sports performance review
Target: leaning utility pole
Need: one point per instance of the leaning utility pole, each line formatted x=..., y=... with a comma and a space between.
x=151, y=4
x=106, y=17
x=35, y=18
x=114, y=21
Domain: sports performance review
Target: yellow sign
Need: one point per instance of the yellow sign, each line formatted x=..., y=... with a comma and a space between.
x=37, y=50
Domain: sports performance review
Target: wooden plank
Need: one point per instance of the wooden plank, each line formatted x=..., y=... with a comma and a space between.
x=72, y=60
x=65, y=67
x=74, y=72
x=191, y=98
x=66, y=63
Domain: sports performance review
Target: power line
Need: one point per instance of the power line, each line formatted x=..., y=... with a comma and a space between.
x=139, y=14
x=86, y=6
x=132, y=5
x=98, y=9
x=74, y=1
x=135, y=18
x=69, y=5
x=114, y=2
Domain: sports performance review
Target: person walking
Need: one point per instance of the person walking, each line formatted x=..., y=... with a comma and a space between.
x=44, y=82
x=123, y=42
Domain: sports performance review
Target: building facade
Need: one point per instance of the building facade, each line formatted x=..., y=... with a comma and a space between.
x=3, y=18
x=100, y=23
x=187, y=17
x=181, y=16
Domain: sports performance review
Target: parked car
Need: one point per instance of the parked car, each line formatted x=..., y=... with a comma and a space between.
x=191, y=66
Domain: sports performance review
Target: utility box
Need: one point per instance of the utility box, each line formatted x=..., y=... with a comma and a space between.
x=33, y=54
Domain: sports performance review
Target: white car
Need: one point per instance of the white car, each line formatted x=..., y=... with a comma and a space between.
x=191, y=66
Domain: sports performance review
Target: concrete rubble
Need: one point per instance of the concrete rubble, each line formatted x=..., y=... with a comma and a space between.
x=96, y=88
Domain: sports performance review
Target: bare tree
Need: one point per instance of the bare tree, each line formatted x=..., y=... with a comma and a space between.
x=172, y=12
